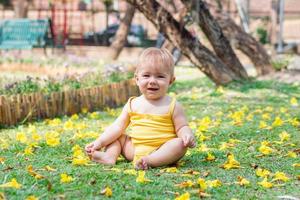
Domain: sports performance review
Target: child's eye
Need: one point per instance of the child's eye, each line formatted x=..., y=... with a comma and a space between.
x=161, y=76
x=146, y=75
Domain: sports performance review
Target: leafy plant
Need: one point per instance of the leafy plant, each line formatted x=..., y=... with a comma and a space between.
x=262, y=35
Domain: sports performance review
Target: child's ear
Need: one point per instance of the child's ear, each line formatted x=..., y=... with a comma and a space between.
x=172, y=80
x=136, y=79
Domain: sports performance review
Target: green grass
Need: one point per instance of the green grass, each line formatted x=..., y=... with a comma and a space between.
x=200, y=99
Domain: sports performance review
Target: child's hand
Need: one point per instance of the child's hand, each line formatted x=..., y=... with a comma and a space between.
x=189, y=140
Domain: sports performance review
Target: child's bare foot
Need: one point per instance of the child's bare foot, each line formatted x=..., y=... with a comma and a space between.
x=142, y=164
x=103, y=158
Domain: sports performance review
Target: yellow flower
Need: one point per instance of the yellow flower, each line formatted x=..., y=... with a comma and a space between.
x=266, y=116
x=185, y=184
x=94, y=115
x=296, y=165
x=35, y=136
x=52, y=138
x=203, y=148
x=2, y=160
x=185, y=196
x=249, y=117
x=69, y=125
x=32, y=197
x=277, y=122
x=33, y=173
x=242, y=181
x=12, y=184
x=265, y=183
x=265, y=150
x=108, y=192
x=28, y=151
x=284, y=136
x=48, y=168
x=291, y=154
x=262, y=172
x=294, y=101
x=202, y=184
x=141, y=177
x=214, y=183
x=231, y=163
x=171, y=170
x=210, y=157
x=130, y=172
x=54, y=122
x=21, y=137
x=65, y=178
x=295, y=122
x=280, y=176
x=263, y=125
x=80, y=160
x=74, y=117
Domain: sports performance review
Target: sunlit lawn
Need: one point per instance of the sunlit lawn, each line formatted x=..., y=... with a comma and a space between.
x=248, y=148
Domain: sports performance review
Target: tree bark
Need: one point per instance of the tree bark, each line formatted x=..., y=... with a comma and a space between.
x=214, y=33
x=21, y=8
x=199, y=55
x=246, y=43
x=121, y=35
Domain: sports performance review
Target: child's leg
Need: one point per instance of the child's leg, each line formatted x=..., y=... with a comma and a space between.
x=122, y=145
x=168, y=153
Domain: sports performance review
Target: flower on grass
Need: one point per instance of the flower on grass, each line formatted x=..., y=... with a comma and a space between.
x=33, y=173
x=210, y=157
x=11, y=184
x=262, y=172
x=296, y=165
x=130, y=172
x=185, y=184
x=68, y=125
x=294, y=122
x=264, y=125
x=291, y=154
x=284, y=136
x=21, y=137
x=277, y=122
x=203, y=148
x=32, y=197
x=265, y=183
x=185, y=196
x=293, y=101
x=28, y=151
x=79, y=158
x=65, y=178
x=74, y=117
x=170, y=170
x=280, y=176
x=242, y=181
x=50, y=169
x=231, y=163
x=214, y=183
x=107, y=191
x=54, y=122
x=2, y=160
x=202, y=184
x=265, y=150
x=35, y=136
x=52, y=138
x=141, y=177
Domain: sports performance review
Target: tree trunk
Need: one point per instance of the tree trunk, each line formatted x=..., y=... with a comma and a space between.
x=199, y=55
x=21, y=8
x=121, y=35
x=214, y=33
x=246, y=43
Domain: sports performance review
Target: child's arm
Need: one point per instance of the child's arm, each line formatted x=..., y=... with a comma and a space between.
x=111, y=133
x=182, y=128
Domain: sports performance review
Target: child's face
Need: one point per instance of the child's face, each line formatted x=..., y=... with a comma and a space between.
x=153, y=81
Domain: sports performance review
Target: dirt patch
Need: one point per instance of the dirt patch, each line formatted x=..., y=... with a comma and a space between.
x=286, y=76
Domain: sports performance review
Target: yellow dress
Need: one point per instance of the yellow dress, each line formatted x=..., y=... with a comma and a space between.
x=149, y=131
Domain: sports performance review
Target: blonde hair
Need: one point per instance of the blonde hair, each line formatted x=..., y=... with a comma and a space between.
x=161, y=58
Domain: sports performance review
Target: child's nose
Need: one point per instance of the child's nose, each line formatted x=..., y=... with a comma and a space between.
x=152, y=79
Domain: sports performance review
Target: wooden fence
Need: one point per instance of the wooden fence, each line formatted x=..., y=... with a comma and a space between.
x=27, y=107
